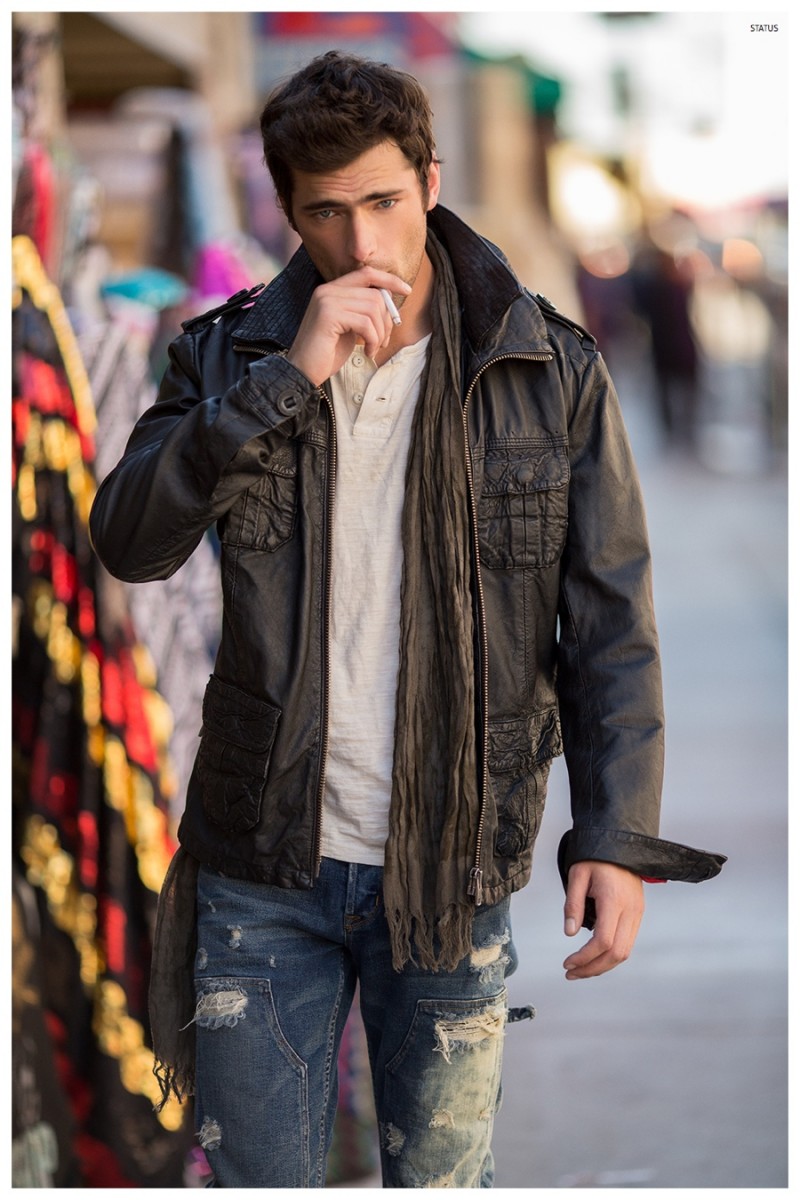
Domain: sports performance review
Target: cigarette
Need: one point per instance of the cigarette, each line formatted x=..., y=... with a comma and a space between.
x=391, y=306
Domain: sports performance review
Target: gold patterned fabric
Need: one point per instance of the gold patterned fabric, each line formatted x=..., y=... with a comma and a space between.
x=91, y=773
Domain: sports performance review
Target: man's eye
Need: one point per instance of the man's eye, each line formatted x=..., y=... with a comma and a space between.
x=324, y=214
x=386, y=203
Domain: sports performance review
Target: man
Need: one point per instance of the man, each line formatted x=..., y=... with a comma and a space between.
x=434, y=562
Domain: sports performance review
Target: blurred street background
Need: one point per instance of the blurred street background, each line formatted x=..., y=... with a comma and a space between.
x=633, y=167
x=671, y=1071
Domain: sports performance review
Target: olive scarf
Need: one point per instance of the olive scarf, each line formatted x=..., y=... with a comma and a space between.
x=434, y=811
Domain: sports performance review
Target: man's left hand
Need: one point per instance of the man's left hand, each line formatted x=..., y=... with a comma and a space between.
x=618, y=896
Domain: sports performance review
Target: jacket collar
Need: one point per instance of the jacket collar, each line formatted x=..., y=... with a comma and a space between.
x=496, y=309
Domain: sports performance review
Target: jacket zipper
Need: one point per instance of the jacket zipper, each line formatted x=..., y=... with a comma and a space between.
x=331, y=488
x=475, y=884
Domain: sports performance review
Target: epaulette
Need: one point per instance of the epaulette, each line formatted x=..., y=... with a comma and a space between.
x=237, y=301
x=588, y=342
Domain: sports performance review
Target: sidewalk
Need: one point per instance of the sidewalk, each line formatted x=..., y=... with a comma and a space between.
x=672, y=1070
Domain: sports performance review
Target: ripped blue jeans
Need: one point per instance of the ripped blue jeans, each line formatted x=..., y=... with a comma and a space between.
x=276, y=972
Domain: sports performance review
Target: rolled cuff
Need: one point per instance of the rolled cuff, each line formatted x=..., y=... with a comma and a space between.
x=647, y=857
x=281, y=395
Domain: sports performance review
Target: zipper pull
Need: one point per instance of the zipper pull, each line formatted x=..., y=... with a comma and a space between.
x=475, y=888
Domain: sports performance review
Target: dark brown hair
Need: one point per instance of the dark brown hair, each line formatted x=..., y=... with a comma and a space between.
x=335, y=109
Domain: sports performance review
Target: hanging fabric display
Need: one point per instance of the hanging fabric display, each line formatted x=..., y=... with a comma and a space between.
x=91, y=779
x=180, y=617
x=43, y=1127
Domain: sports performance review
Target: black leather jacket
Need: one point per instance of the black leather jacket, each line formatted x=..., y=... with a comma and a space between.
x=566, y=639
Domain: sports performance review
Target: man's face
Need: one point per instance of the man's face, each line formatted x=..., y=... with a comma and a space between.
x=369, y=213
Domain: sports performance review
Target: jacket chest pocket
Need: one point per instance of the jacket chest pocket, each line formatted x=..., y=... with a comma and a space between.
x=522, y=512
x=236, y=743
x=264, y=518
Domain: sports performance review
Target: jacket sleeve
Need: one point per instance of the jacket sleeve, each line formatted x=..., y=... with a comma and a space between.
x=609, y=675
x=190, y=456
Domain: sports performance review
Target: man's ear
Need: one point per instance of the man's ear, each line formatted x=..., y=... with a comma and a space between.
x=434, y=184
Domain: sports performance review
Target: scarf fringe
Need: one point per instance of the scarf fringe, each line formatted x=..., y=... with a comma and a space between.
x=171, y=996
x=438, y=945
x=174, y=1081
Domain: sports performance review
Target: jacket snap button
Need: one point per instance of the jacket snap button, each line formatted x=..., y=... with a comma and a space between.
x=288, y=403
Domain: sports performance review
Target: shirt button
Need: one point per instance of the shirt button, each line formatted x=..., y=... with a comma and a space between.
x=359, y=396
x=358, y=360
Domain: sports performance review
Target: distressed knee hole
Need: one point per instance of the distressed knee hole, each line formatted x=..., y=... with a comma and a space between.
x=210, y=1135
x=235, y=940
x=215, y=1009
x=469, y=1032
x=442, y=1119
x=393, y=1139
x=485, y=956
x=485, y=960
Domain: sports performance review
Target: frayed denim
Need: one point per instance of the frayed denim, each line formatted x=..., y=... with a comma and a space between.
x=276, y=973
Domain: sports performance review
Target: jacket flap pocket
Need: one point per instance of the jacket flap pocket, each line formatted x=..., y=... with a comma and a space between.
x=519, y=745
x=239, y=718
x=282, y=461
x=527, y=467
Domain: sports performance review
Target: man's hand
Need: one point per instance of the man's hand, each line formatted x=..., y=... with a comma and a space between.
x=618, y=896
x=340, y=313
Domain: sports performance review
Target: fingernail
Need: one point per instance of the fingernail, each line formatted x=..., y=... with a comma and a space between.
x=570, y=926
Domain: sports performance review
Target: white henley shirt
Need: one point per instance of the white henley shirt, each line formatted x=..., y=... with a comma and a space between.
x=374, y=409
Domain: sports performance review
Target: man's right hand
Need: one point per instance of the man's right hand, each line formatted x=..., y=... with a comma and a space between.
x=341, y=313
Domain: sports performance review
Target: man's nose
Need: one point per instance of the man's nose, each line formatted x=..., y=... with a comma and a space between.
x=361, y=240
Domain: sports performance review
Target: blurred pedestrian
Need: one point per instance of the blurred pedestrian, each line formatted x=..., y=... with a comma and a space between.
x=662, y=290
x=418, y=471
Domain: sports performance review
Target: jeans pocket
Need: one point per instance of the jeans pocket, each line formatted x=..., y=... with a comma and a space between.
x=252, y=1104
x=233, y=760
x=441, y=1093
x=522, y=512
x=435, y=1024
